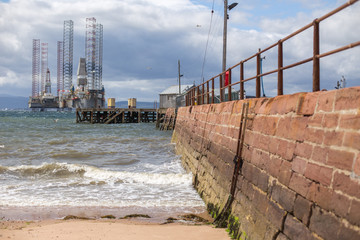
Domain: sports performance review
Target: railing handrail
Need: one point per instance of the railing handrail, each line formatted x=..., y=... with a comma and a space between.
x=197, y=96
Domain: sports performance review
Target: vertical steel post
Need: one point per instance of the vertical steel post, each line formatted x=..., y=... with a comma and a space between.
x=241, y=80
x=207, y=92
x=280, y=71
x=316, y=60
x=198, y=95
x=258, y=62
x=213, y=90
x=203, y=94
x=221, y=88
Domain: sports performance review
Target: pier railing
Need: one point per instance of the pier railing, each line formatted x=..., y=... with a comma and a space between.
x=205, y=93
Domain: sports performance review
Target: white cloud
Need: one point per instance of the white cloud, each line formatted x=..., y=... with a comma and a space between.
x=143, y=40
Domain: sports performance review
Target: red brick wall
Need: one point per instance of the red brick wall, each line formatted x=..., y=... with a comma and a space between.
x=301, y=173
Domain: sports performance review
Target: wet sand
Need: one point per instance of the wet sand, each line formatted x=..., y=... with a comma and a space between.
x=106, y=229
x=45, y=223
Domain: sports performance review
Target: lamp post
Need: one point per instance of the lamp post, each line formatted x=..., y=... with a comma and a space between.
x=226, y=17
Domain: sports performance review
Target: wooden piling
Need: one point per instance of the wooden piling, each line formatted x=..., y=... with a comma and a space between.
x=115, y=115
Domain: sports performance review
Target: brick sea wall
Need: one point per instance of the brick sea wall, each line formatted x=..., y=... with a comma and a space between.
x=300, y=178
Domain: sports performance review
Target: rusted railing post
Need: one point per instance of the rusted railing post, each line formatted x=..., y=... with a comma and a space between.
x=258, y=63
x=280, y=71
x=199, y=95
x=203, y=94
x=241, y=80
x=213, y=90
x=193, y=97
x=221, y=88
x=229, y=85
x=316, y=60
x=207, y=92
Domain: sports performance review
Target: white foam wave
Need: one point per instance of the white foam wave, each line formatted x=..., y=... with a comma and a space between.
x=99, y=174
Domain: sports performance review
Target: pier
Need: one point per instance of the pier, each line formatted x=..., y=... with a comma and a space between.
x=115, y=115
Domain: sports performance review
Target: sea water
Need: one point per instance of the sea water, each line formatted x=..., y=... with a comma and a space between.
x=49, y=161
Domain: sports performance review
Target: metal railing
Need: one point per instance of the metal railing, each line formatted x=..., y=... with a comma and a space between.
x=205, y=94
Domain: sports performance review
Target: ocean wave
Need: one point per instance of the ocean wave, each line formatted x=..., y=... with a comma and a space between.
x=63, y=170
x=44, y=170
x=72, y=154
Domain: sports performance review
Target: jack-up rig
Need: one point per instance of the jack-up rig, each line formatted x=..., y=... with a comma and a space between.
x=90, y=92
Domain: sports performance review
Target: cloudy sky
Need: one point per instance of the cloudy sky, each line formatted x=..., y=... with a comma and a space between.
x=144, y=39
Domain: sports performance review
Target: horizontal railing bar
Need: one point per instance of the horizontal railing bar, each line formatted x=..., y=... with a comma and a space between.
x=352, y=45
x=197, y=94
x=297, y=32
x=345, y=5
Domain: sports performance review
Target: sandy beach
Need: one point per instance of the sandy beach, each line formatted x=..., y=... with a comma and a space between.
x=106, y=229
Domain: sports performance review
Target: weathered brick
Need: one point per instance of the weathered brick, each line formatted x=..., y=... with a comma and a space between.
x=233, y=144
x=320, y=195
x=273, y=167
x=255, y=176
x=285, y=173
x=227, y=156
x=284, y=196
x=344, y=183
x=298, y=127
x=273, y=145
x=296, y=230
x=266, y=125
x=299, y=165
x=275, y=214
x=357, y=165
x=348, y=98
x=303, y=150
x=325, y=224
x=302, y=209
x=235, y=120
x=333, y=138
x=285, y=104
x=249, y=137
x=284, y=127
x=354, y=213
x=247, y=188
x=286, y=149
x=348, y=233
x=352, y=139
x=340, y=159
x=316, y=120
x=326, y=101
x=350, y=121
x=319, y=173
x=320, y=154
x=263, y=142
x=299, y=184
x=247, y=153
x=340, y=204
x=307, y=103
x=263, y=181
x=314, y=135
x=261, y=203
x=331, y=120
x=282, y=236
x=238, y=106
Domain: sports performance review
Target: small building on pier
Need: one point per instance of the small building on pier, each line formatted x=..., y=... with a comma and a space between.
x=169, y=95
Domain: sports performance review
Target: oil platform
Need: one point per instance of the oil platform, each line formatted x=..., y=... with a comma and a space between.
x=90, y=92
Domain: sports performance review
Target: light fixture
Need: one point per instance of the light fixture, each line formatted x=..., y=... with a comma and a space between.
x=231, y=6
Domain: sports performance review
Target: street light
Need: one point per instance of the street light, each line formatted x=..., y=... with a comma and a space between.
x=226, y=17
x=231, y=6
